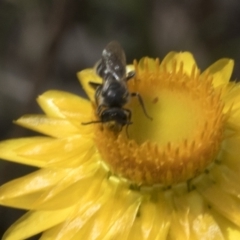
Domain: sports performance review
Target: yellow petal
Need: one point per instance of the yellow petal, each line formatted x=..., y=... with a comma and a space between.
x=35, y=222
x=230, y=231
x=53, y=189
x=231, y=98
x=44, y=179
x=180, y=222
x=225, y=203
x=67, y=191
x=70, y=229
x=89, y=203
x=32, y=182
x=8, y=150
x=231, y=160
x=86, y=76
x=183, y=57
x=51, y=126
x=22, y=202
x=203, y=225
x=232, y=145
x=180, y=228
x=59, y=104
x=153, y=221
x=56, y=150
x=221, y=71
x=106, y=225
x=76, y=158
x=193, y=219
x=122, y=226
x=234, y=118
x=227, y=179
x=136, y=232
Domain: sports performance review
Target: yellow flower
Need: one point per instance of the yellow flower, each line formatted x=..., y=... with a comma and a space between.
x=175, y=177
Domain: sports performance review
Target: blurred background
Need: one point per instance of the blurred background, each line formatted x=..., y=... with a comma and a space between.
x=43, y=43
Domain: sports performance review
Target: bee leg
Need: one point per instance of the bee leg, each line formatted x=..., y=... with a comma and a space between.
x=99, y=109
x=129, y=113
x=130, y=75
x=97, y=95
x=98, y=67
x=141, y=103
x=94, y=85
x=91, y=122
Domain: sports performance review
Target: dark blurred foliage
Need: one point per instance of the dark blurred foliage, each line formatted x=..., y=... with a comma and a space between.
x=43, y=43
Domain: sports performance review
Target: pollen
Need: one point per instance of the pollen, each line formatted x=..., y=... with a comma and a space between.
x=186, y=132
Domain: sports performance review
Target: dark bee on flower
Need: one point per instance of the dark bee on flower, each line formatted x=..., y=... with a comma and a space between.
x=113, y=94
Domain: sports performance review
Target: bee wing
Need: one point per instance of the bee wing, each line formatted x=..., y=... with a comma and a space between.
x=106, y=85
x=113, y=62
x=114, y=57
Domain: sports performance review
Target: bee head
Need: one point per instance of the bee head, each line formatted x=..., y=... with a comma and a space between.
x=117, y=115
x=115, y=118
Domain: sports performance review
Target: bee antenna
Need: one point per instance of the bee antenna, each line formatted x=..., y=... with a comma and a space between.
x=92, y=122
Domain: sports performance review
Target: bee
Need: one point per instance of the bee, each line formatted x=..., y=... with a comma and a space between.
x=112, y=95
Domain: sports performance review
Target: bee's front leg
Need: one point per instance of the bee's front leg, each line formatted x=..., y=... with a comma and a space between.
x=94, y=85
x=141, y=103
x=130, y=75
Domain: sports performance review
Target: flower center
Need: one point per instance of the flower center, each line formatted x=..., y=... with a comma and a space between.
x=184, y=136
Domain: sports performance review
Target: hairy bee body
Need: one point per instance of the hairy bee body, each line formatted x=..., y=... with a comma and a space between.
x=112, y=95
